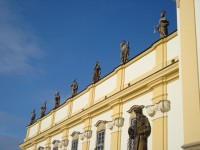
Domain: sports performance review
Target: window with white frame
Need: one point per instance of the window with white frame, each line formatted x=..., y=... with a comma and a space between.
x=40, y=148
x=100, y=140
x=100, y=135
x=55, y=144
x=75, y=137
x=75, y=144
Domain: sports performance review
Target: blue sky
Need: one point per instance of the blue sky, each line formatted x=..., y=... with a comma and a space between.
x=46, y=44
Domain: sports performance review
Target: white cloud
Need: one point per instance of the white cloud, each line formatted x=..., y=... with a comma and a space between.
x=18, y=44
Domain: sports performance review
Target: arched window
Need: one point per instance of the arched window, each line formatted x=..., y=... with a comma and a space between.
x=75, y=137
x=101, y=127
x=56, y=144
x=40, y=148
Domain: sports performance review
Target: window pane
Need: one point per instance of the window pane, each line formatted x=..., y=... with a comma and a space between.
x=100, y=140
x=75, y=145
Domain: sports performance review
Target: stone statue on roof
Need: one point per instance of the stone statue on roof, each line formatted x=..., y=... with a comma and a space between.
x=42, y=110
x=124, y=51
x=163, y=24
x=74, y=88
x=32, y=117
x=96, y=72
x=57, y=99
x=140, y=130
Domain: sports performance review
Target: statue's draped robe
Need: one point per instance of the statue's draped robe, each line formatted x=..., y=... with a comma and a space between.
x=163, y=27
x=140, y=132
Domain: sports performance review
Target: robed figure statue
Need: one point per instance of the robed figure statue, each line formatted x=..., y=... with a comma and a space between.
x=74, y=88
x=42, y=110
x=124, y=51
x=163, y=24
x=32, y=117
x=96, y=72
x=140, y=130
x=57, y=100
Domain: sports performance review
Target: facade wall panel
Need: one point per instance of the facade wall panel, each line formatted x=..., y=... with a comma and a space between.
x=140, y=67
x=173, y=48
x=80, y=102
x=61, y=114
x=33, y=130
x=106, y=87
x=46, y=123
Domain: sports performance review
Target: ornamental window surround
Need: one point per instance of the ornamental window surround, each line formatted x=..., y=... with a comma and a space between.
x=101, y=128
x=40, y=148
x=75, y=137
x=56, y=144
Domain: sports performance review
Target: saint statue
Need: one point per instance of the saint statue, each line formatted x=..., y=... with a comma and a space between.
x=57, y=100
x=42, y=110
x=140, y=130
x=32, y=117
x=163, y=24
x=96, y=72
x=124, y=51
x=74, y=88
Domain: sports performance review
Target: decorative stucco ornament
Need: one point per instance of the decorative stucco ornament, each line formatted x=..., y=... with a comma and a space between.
x=119, y=122
x=151, y=110
x=164, y=106
x=88, y=134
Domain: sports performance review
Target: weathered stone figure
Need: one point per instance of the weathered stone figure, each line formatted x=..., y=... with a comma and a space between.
x=33, y=117
x=57, y=100
x=162, y=27
x=74, y=88
x=141, y=130
x=124, y=51
x=96, y=72
x=42, y=110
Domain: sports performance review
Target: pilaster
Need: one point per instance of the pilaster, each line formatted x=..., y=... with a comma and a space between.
x=70, y=105
x=27, y=133
x=86, y=128
x=120, y=77
x=91, y=95
x=116, y=131
x=53, y=118
x=161, y=54
x=39, y=126
x=189, y=73
x=159, y=122
x=48, y=142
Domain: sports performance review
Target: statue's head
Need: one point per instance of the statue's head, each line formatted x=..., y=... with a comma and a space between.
x=138, y=110
x=163, y=13
x=57, y=93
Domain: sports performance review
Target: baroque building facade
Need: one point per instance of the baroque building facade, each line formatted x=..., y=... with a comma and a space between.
x=164, y=78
